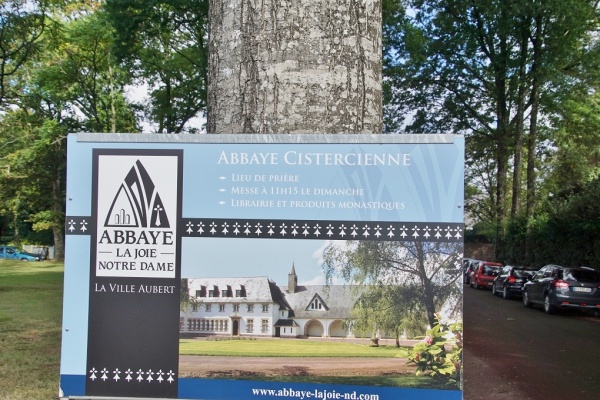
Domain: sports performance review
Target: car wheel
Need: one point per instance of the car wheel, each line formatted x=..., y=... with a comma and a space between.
x=505, y=294
x=526, y=301
x=24, y=259
x=548, y=307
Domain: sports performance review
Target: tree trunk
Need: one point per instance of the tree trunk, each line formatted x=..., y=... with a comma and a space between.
x=58, y=229
x=289, y=66
x=59, y=243
x=519, y=125
x=535, y=100
x=532, y=139
x=503, y=137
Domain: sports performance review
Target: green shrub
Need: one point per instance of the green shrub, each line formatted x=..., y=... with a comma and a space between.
x=439, y=353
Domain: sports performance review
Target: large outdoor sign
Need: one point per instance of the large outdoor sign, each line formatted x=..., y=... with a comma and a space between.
x=176, y=243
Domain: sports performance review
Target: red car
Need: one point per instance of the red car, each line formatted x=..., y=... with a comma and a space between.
x=484, y=274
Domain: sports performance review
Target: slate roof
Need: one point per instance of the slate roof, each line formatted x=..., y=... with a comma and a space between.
x=257, y=289
x=286, y=322
x=338, y=301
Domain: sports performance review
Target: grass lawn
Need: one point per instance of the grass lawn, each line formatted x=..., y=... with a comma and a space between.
x=285, y=348
x=30, y=329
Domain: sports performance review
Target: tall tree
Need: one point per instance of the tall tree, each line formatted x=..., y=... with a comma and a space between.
x=80, y=69
x=164, y=46
x=430, y=267
x=70, y=86
x=486, y=69
x=388, y=310
x=20, y=29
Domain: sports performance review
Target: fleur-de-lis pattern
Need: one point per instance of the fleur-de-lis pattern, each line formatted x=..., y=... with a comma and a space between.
x=331, y=230
x=79, y=225
x=302, y=229
x=130, y=375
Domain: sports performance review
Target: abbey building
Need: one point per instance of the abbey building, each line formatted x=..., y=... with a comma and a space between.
x=258, y=307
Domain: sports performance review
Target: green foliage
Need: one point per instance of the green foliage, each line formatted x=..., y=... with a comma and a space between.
x=426, y=269
x=568, y=233
x=576, y=160
x=20, y=29
x=517, y=78
x=388, y=311
x=73, y=84
x=164, y=44
x=440, y=352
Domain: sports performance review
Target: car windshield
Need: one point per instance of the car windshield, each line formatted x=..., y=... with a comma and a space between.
x=582, y=275
x=523, y=273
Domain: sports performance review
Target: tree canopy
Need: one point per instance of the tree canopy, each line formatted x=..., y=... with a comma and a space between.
x=430, y=270
x=495, y=71
x=518, y=78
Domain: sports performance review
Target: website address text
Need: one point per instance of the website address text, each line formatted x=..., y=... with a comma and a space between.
x=314, y=394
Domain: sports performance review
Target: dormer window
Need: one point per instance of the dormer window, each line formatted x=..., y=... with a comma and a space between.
x=240, y=291
x=226, y=291
x=214, y=292
x=316, y=304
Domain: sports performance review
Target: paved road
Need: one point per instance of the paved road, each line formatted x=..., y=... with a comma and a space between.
x=513, y=352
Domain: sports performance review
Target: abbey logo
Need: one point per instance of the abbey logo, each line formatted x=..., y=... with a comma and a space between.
x=137, y=208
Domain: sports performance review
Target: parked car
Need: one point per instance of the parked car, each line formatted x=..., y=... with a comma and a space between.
x=484, y=274
x=11, y=252
x=469, y=265
x=556, y=287
x=510, y=281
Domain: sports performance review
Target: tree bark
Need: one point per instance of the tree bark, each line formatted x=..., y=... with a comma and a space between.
x=58, y=229
x=520, y=123
x=289, y=66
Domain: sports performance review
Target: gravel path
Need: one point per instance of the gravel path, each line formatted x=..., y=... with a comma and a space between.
x=215, y=366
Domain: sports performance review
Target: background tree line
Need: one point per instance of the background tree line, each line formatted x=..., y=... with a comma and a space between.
x=518, y=78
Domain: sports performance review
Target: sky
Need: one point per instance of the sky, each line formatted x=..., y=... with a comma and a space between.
x=224, y=257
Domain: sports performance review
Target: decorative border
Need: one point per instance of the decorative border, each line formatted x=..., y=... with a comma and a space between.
x=304, y=229
x=132, y=376
x=323, y=230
